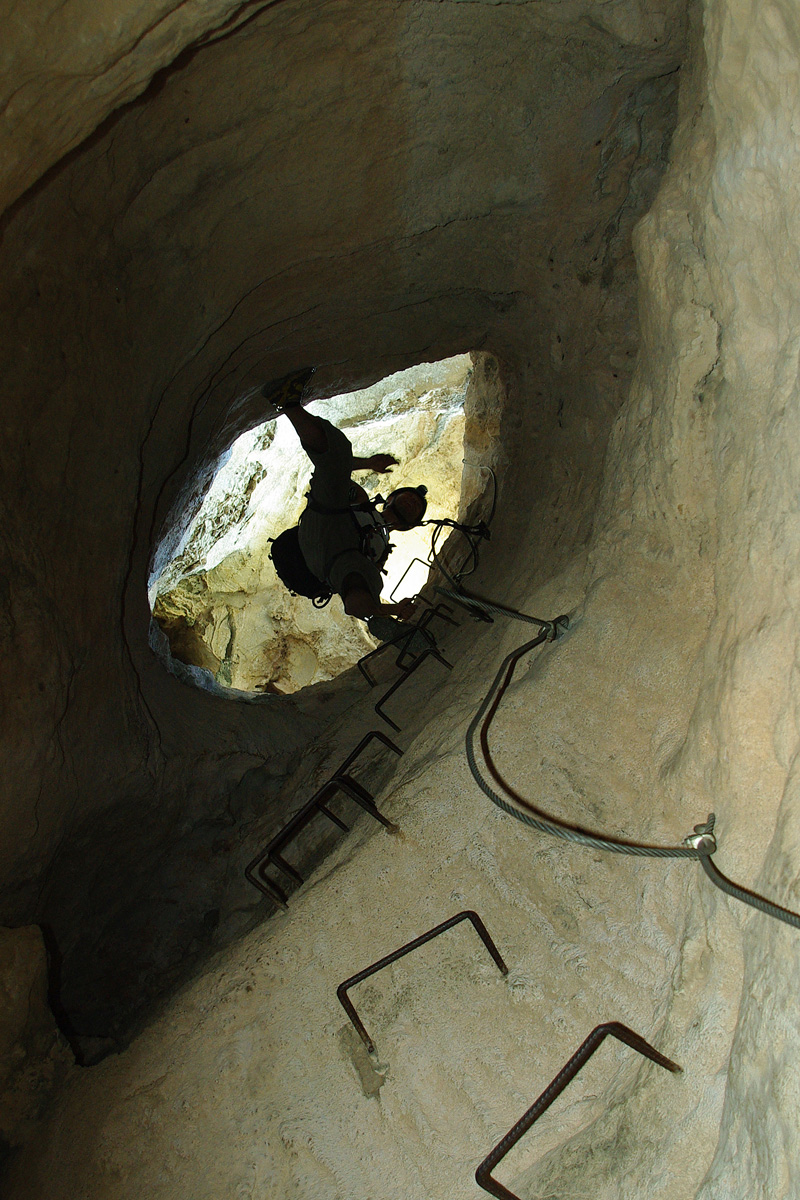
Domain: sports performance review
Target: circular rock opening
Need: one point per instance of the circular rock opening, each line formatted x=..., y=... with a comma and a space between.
x=226, y=615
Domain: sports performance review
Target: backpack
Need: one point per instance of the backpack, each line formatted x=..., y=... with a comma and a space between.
x=292, y=571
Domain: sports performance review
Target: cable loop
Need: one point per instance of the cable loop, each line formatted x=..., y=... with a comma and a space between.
x=699, y=845
x=522, y=809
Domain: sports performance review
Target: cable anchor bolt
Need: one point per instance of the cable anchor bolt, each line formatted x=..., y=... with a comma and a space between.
x=554, y=629
x=703, y=839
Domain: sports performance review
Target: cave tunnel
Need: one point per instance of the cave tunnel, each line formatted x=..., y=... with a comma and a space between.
x=597, y=201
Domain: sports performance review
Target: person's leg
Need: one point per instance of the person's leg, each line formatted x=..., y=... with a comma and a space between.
x=310, y=429
x=289, y=389
x=285, y=396
x=331, y=453
x=328, y=448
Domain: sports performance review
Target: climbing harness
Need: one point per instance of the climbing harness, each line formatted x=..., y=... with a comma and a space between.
x=700, y=844
x=290, y=564
x=373, y=534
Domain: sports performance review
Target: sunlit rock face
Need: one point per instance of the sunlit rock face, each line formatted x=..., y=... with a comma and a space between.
x=220, y=602
x=369, y=187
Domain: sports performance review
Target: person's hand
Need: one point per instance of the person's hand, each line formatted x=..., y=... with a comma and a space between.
x=382, y=463
x=406, y=609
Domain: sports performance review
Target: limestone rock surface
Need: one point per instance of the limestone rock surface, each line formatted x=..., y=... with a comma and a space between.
x=64, y=67
x=144, y=304
x=369, y=186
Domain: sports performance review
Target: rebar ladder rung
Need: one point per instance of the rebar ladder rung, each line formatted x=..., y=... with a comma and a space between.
x=466, y=915
x=567, y=1073
x=339, y=781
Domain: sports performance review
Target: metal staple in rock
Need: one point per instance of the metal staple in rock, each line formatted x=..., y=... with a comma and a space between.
x=483, y=1175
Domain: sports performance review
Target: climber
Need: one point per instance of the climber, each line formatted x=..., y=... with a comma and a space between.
x=342, y=537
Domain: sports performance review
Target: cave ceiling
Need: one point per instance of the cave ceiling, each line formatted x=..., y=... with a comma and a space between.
x=354, y=185
x=201, y=196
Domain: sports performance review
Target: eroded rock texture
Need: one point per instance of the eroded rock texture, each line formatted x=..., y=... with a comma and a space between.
x=65, y=67
x=364, y=187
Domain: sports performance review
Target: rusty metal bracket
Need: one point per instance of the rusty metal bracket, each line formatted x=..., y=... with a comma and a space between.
x=374, y=734
x=260, y=881
x=567, y=1073
x=418, y=661
x=426, y=562
x=339, y=781
x=436, y=610
x=272, y=852
x=343, y=988
x=405, y=639
x=401, y=640
x=439, y=609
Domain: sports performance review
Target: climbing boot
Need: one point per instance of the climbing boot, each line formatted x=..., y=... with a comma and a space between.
x=287, y=392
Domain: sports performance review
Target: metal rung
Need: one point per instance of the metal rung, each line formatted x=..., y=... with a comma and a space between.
x=405, y=636
x=422, y=627
x=373, y=735
x=466, y=915
x=260, y=881
x=426, y=562
x=399, y=682
x=439, y=609
x=404, y=639
x=554, y=1089
x=340, y=781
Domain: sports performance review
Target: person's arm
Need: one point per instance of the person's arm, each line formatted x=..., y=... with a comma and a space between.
x=376, y=462
x=359, y=602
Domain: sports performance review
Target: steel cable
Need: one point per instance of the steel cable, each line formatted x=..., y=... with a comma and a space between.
x=747, y=897
x=528, y=813
x=488, y=606
x=700, y=845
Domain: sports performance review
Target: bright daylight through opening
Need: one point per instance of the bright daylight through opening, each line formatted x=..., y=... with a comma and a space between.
x=225, y=613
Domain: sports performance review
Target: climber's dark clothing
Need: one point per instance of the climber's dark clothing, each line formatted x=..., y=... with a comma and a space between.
x=331, y=542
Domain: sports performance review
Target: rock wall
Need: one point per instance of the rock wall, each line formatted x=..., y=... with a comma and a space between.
x=498, y=158
x=34, y=1056
x=67, y=67
x=143, y=304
